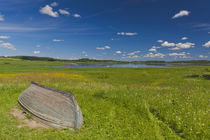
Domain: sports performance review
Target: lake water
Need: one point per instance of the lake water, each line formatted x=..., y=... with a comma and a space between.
x=119, y=65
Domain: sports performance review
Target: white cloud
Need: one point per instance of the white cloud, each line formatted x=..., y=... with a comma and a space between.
x=184, y=38
x=1, y=17
x=186, y=45
x=151, y=55
x=203, y=56
x=180, y=55
x=133, y=56
x=208, y=32
x=100, y=48
x=36, y=52
x=107, y=47
x=177, y=54
x=122, y=33
x=57, y=40
x=155, y=47
x=178, y=46
x=185, y=56
x=54, y=4
x=76, y=16
x=153, y=50
x=130, y=56
x=103, y=48
x=130, y=34
x=160, y=41
x=181, y=14
x=7, y=46
x=133, y=53
x=118, y=52
x=127, y=33
x=64, y=12
x=167, y=44
x=49, y=11
x=4, y=37
x=207, y=44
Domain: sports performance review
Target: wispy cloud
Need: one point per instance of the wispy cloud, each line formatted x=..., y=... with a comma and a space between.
x=103, y=48
x=100, y=48
x=180, y=55
x=57, y=40
x=202, y=26
x=133, y=53
x=18, y=28
x=127, y=33
x=4, y=37
x=203, y=56
x=49, y=11
x=181, y=14
x=64, y=12
x=36, y=52
x=154, y=55
x=132, y=56
x=177, y=54
x=84, y=53
x=7, y=45
x=54, y=4
x=1, y=17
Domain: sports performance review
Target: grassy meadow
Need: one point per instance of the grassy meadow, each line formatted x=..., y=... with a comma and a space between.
x=117, y=103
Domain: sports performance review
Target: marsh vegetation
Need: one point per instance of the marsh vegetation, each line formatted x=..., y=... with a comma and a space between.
x=117, y=103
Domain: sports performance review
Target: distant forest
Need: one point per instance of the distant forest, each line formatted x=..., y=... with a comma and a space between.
x=87, y=60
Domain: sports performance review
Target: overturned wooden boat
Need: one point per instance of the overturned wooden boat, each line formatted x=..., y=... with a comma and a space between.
x=53, y=107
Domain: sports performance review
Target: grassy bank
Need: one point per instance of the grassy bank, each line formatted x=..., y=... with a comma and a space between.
x=117, y=103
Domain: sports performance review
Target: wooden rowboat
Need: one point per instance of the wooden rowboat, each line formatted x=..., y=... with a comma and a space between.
x=55, y=108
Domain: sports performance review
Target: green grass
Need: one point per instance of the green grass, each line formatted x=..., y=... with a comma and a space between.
x=117, y=103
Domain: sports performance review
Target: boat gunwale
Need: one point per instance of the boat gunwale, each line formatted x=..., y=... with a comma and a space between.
x=63, y=93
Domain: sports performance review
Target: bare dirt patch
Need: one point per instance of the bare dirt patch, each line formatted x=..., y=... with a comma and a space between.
x=26, y=122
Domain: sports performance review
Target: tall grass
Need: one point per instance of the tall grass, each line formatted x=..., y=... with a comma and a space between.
x=117, y=103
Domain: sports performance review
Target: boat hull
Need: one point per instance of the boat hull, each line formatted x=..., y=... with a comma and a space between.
x=55, y=108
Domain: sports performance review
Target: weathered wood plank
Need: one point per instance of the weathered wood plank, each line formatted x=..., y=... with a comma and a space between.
x=55, y=108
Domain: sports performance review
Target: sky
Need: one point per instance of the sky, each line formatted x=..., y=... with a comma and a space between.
x=131, y=30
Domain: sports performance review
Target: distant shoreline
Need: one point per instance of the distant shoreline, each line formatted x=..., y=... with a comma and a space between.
x=87, y=60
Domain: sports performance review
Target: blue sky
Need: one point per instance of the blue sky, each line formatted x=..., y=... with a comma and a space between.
x=106, y=29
